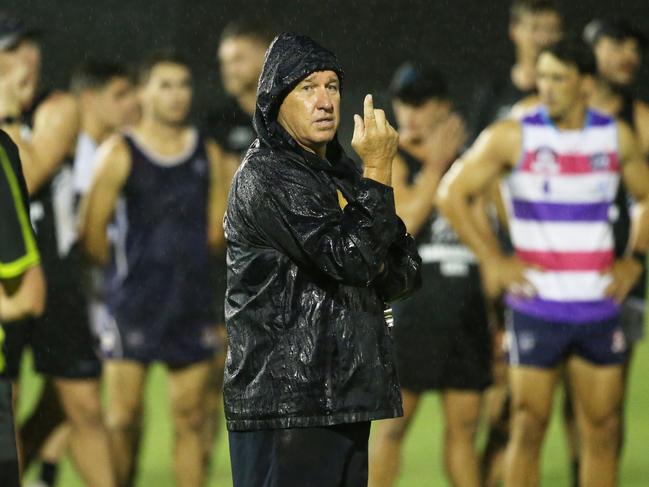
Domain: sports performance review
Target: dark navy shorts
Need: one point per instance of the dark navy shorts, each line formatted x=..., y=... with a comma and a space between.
x=540, y=343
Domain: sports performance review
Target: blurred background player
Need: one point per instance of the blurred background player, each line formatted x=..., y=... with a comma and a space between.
x=564, y=282
x=60, y=340
x=533, y=25
x=22, y=287
x=618, y=47
x=241, y=51
x=442, y=341
x=106, y=103
x=158, y=287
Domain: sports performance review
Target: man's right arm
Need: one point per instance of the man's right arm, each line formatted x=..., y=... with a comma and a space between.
x=469, y=178
x=97, y=207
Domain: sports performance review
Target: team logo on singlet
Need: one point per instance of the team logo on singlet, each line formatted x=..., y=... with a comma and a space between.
x=600, y=161
x=546, y=161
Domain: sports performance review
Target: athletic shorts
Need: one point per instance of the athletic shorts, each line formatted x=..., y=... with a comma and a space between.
x=539, y=343
x=176, y=345
x=441, y=333
x=632, y=319
x=299, y=457
x=61, y=340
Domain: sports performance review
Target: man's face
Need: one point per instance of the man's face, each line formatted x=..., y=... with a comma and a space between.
x=115, y=103
x=560, y=85
x=167, y=94
x=310, y=112
x=241, y=60
x=618, y=60
x=416, y=123
x=23, y=60
x=534, y=31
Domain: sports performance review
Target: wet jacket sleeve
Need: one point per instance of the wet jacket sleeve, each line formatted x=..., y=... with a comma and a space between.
x=402, y=273
x=302, y=218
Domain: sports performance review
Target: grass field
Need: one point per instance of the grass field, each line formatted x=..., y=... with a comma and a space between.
x=422, y=455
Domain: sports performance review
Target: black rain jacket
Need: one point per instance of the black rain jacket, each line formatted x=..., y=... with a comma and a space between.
x=308, y=343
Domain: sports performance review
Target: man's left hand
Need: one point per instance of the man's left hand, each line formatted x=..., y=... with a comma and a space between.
x=625, y=273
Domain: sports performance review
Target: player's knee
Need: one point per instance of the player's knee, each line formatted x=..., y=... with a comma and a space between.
x=189, y=418
x=602, y=431
x=394, y=430
x=461, y=429
x=123, y=415
x=528, y=427
x=83, y=410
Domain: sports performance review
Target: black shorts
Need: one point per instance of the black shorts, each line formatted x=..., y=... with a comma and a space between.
x=298, y=457
x=61, y=340
x=441, y=333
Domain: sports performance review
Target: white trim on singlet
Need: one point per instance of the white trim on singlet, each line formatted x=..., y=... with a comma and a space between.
x=164, y=160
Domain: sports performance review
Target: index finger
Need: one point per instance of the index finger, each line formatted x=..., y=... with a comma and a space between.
x=368, y=111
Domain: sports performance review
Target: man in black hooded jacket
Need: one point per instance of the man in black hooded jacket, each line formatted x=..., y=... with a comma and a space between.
x=315, y=249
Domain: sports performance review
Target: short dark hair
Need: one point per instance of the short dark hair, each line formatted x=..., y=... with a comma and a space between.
x=95, y=75
x=575, y=52
x=413, y=84
x=248, y=28
x=522, y=7
x=160, y=56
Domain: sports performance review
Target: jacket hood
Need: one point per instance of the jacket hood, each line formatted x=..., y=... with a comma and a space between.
x=289, y=59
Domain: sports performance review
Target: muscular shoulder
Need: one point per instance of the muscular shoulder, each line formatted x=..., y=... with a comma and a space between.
x=60, y=105
x=500, y=143
x=114, y=157
x=524, y=107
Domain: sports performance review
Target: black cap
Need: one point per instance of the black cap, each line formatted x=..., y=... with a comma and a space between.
x=13, y=30
x=414, y=84
x=618, y=29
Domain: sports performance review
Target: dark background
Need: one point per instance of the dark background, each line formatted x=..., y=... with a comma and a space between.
x=466, y=38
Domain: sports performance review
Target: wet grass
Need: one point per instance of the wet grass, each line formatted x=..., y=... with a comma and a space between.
x=422, y=451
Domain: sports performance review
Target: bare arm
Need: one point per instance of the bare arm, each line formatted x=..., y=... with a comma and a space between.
x=469, y=179
x=220, y=179
x=23, y=296
x=642, y=127
x=472, y=175
x=56, y=126
x=415, y=201
x=635, y=175
x=97, y=207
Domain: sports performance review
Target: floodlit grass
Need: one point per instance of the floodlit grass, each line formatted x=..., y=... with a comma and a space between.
x=422, y=452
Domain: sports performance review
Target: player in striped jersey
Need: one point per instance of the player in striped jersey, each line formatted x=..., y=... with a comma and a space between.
x=564, y=284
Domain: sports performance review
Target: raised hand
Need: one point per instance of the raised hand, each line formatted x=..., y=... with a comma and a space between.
x=445, y=142
x=375, y=141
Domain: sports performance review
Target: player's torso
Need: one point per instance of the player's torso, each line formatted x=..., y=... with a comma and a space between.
x=161, y=217
x=560, y=196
